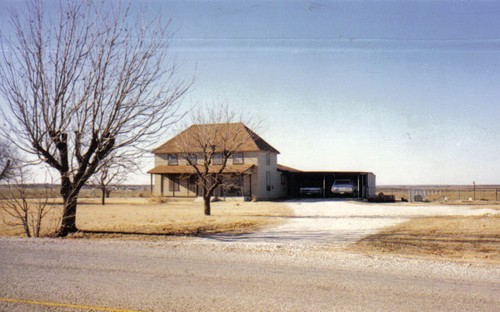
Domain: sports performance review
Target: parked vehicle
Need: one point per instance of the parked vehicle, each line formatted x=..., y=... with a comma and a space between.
x=310, y=191
x=343, y=186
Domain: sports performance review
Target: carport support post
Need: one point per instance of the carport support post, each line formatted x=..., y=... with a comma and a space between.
x=358, y=186
x=324, y=187
x=250, y=178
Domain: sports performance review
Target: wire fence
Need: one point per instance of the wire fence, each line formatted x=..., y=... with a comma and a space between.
x=444, y=193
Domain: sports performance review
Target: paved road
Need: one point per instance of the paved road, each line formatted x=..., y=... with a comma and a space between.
x=204, y=275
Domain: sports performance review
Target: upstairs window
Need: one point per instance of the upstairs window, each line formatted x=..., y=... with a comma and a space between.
x=238, y=158
x=217, y=159
x=193, y=159
x=268, y=159
x=172, y=160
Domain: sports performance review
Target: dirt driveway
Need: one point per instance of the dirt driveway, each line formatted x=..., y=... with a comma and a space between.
x=342, y=222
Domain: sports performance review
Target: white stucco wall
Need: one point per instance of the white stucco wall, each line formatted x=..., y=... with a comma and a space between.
x=261, y=190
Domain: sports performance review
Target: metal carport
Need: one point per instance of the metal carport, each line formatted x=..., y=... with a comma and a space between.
x=365, y=182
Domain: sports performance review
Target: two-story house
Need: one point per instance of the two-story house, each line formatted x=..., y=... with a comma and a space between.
x=251, y=171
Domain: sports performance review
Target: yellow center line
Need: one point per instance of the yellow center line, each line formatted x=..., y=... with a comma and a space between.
x=64, y=305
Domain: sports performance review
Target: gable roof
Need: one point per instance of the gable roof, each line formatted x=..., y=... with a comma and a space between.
x=238, y=136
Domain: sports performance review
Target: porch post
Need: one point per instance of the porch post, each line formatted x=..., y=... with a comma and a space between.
x=162, y=184
x=172, y=182
x=250, y=176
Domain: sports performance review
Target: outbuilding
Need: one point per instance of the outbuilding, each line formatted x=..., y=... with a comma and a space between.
x=364, y=183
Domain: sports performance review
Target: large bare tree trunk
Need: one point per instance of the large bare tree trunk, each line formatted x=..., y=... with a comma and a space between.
x=70, y=197
x=68, y=224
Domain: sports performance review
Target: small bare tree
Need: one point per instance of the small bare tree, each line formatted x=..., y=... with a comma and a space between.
x=215, y=135
x=113, y=170
x=31, y=208
x=81, y=81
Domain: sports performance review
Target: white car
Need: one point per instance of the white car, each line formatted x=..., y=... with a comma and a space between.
x=342, y=187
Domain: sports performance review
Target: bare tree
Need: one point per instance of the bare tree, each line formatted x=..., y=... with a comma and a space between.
x=215, y=135
x=28, y=207
x=113, y=170
x=83, y=81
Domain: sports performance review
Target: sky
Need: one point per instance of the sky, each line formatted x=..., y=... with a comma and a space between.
x=407, y=90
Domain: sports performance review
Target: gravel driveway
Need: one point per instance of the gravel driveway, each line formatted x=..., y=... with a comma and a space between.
x=342, y=222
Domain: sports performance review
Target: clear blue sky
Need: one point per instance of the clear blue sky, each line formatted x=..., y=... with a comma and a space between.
x=409, y=90
x=406, y=89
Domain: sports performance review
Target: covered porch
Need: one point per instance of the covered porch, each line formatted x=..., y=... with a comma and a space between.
x=182, y=181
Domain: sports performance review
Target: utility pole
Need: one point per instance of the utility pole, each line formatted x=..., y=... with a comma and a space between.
x=474, y=189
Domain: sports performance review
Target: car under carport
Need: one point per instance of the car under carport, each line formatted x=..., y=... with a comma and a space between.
x=363, y=181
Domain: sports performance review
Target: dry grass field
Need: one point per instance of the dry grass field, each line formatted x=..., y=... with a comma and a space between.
x=473, y=238
x=456, y=238
x=122, y=216
x=445, y=193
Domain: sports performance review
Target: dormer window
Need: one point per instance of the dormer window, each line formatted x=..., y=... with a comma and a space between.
x=172, y=160
x=238, y=158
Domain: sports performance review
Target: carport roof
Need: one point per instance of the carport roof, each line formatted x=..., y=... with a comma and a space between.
x=302, y=172
x=333, y=172
x=287, y=169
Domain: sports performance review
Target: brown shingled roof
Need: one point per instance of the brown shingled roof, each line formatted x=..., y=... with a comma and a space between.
x=236, y=136
x=164, y=169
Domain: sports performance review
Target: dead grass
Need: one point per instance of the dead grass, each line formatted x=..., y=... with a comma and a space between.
x=11, y=226
x=125, y=216
x=475, y=238
x=453, y=193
